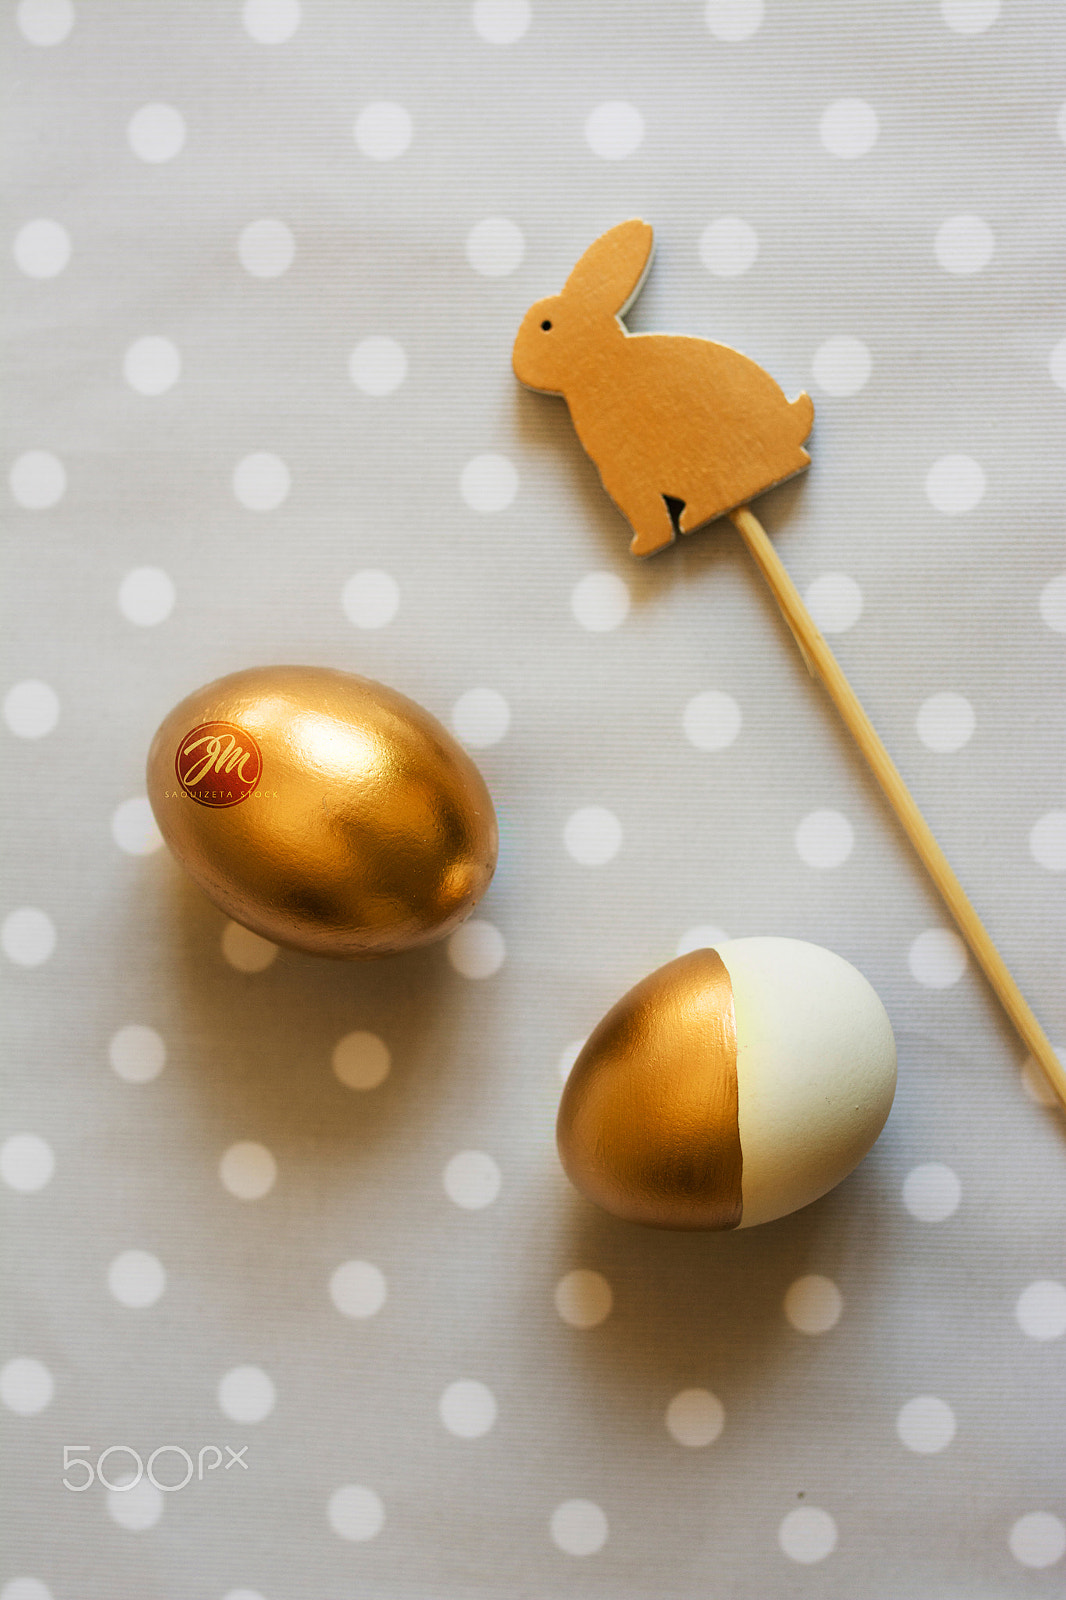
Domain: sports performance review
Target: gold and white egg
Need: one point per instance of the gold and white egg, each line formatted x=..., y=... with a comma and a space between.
x=730, y=1087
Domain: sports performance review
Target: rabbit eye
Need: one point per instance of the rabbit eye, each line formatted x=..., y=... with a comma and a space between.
x=546, y=325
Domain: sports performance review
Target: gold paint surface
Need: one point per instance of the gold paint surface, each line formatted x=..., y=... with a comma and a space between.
x=370, y=830
x=648, y=1124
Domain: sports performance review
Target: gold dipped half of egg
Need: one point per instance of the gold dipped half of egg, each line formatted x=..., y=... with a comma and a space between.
x=731, y=1087
x=323, y=810
x=648, y=1123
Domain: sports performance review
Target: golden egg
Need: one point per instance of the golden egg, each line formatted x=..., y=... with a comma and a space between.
x=323, y=810
x=730, y=1087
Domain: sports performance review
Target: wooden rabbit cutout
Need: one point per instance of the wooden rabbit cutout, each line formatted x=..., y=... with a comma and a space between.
x=665, y=417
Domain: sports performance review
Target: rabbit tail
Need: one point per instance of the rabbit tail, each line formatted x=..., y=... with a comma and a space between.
x=802, y=409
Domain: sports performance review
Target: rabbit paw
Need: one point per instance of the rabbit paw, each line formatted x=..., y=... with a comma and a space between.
x=646, y=544
x=649, y=516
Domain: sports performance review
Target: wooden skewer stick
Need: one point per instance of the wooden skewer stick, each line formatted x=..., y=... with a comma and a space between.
x=715, y=431
x=816, y=651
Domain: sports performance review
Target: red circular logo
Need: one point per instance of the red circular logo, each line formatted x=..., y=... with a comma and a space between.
x=218, y=764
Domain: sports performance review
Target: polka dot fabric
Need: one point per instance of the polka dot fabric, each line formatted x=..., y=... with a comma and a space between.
x=265, y=263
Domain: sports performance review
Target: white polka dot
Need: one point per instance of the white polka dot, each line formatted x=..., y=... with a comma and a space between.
x=358, y=1289
x=156, y=133
x=711, y=720
x=468, y=1408
x=937, y=958
x=383, y=130
x=137, y=1508
x=472, y=1180
x=969, y=16
x=695, y=1418
x=28, y=936
x=137, y=1053
x=926, y=1425
x=152, y=365
x=261, y=481
x=964, y=245
x=565, y=1064
x=824, y=839
x=133, y=827
x=1041, y=1309
x=954, y=484
x=614, y=130
x=841, y=365
x=245, y=950
x=42, y=248
x=600, y=601
x=834, y=601
x=807, y=1534
x=38, y=480
x=931, y=1192
x=480, y=718
x=501, y=21
x=378, y=365
x=733, y=20
x=489, y=483
x=120, y=1469
x=44, y=22
x=1057, y=363
x=1038, y=1539
x=31, y=709
x=26, y=1386
x=136, y=1279
x=1035, y=1083
x=578, y=1528
x=25, y=1589
x=704, y=937
x=361, y=1060
x=583, y=1298
x=728, y=246
x=370, y=599
x=1047, y=841
x=848, y=128
x=593, y=836
x=248, y=1170
x=477, y=949
x=813, y=1304
x=266, y=248
x=356, y=1512
x=146, y=596
x=271, y=21
x=26, y=1163
x=495, y=247
x=246, y=1394
x=1053, y=603
x=945, y=722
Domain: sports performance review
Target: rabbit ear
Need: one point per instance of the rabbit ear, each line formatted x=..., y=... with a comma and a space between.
x=612, y=270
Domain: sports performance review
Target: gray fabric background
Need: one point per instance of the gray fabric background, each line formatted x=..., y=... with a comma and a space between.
x=968, y=124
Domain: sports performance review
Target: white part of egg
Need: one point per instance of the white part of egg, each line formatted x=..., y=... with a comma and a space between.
x=816, y=1070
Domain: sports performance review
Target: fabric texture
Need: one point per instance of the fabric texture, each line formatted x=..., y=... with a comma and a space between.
x=266, y=265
